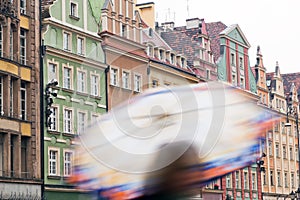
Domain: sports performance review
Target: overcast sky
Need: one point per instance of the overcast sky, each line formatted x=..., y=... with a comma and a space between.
x=272, y=24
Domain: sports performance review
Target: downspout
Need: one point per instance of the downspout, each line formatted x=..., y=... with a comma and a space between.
x=106, y=84
x=42, y=120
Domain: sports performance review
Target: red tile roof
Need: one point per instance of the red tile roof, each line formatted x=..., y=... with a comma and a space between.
x=213, y=31
x=288, y=79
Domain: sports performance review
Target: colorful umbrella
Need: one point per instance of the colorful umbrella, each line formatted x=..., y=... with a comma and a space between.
x=117, y=152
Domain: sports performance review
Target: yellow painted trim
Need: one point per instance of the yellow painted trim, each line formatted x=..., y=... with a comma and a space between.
x=26, y=129
x=9, y=67
x=24, y=22
x=25, y=74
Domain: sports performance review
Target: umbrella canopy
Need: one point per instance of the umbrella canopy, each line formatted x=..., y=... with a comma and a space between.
x=133, y=139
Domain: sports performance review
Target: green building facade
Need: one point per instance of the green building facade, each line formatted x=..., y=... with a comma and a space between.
x=74, y=85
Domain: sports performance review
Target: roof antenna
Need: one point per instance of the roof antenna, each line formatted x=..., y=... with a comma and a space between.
x=188, y=8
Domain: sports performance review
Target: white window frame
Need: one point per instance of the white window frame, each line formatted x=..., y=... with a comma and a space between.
x=81, y=123
x=94, y=117
x=150, y=50
x=94, y=84
x=246, y=180
x=23, y=109
x=126, y=79
x=75, y=12
x=81, y=84
x=23, y=8
x=80, y=45
x=68, y=171
x=137, y=82
x=254, y=187
x=172, y=59
x=55, y=75
x=56, y=160
x=69, y=78
x=232, y=59
x=67, y=41
x=114, y=76
x=237, y=180
x=68, y=121
x=228, y=181
x=54, y=117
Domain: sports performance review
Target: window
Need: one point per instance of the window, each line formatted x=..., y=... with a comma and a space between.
x=182, y=62
x=52, y=71
x=291, y=153
x=271, y=178
x=296, y=154
x=67, y=78
x=68, y=163
x=1, y=95
x=94, y=85
x=254, y=181
x=207, y=74
x=23, y=47
x=286, y=182
x=81, y=119
x=264, y=179
x=68, y=121
x=284, y=152
x=270, y=148
x=172, y=59
x=277, y=150
x=293, y=180
x=2, y=154
x=154, y=83
x=237, y=180
x=24, y=153
x=137, y=83
x=123, y=30
x=242, y=85
x=278, y=178
x=232, y=61
x=53, y=165
x=233, y=80
x=11, y=44
x=73, y=9
x=150, y=50
x=1, y=41
x=23, y=101
x=67, y=41
x=114, y=76
x=246, y=183
x=23, y=6
x=13, y=155
x=283, y=127
x=161, y=54
x=80, y=45
x=228, y=181
x=241, y=63
x=11, y=98
x=94, y=118
x=54, y=119
x=81, y=81
x=125, y=79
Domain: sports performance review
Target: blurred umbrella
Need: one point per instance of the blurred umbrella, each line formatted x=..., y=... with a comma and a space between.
x=118, y=151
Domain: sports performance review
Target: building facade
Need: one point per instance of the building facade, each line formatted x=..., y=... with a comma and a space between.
x=74, y=85
x=20, y=166
x=124, y=52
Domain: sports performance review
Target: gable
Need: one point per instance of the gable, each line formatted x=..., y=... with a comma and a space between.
x=235, y=34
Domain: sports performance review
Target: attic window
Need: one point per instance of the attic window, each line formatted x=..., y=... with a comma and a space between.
x=161, y=54
x=74, y=10
x=182, y=62
x=150, y=50
x=150, y=32
x=172, y=59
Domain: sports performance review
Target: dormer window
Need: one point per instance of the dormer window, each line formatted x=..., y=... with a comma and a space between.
x=182, y=62
x=150, y=50
x=172, y=59
x=161, y=55
x=74, y=10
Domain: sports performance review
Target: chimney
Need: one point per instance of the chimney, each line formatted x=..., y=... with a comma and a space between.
x=168, y=26
x=193, y=23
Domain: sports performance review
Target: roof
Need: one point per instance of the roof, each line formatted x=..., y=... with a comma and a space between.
x=213, y=30
x=289, y=79
x=184, y=41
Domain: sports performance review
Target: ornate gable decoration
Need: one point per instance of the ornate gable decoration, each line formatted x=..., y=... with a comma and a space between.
x=235, y=33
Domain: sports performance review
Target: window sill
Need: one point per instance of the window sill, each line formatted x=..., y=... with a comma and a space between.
x=96, y=97
x=82, y=94
x=56, y=177
x=67, y=90
x=69, y=134
x=53, y=132
x=74, y=17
